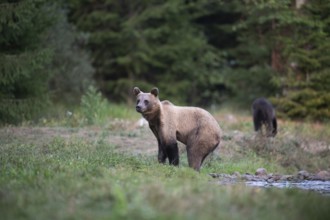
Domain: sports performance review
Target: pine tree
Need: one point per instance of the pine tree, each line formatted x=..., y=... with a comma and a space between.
x=23, y=58
x=72, y=73
x=149, y=43
x=307, y=84
x=278, y=50
x=254, y=59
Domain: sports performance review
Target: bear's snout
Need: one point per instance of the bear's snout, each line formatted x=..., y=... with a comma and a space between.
x=138, y=108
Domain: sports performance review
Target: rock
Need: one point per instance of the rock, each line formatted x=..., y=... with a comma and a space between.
x=276, y=177
x=231, y=118
x=323, y=175
x=287, y=178
x=303, y=174
x=261, y=172
x=237, y=174
x=214, y=175
x=247, y=177
x=142, y=122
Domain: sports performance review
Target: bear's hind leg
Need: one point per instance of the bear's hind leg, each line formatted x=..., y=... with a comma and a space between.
x=257, y=122
x=274, y=122
x=198, y=151
x=269, y=128
x=194, y=159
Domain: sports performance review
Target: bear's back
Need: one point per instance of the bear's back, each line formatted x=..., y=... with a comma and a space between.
x=187, y=114
x=190, y=120
x=166, y=102
x=263, y=109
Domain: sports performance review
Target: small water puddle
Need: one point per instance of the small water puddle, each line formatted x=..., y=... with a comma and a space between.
x=322, y=187
x=303, y=180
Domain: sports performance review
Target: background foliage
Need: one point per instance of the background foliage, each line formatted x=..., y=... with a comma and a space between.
x=24, y=55
x=197, y=52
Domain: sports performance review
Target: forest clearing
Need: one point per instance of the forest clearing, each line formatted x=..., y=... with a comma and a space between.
x=111, y=171
x=72, y=145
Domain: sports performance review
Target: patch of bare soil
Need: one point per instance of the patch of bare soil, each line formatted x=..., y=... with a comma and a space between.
x=135, y=137
x=137, y=140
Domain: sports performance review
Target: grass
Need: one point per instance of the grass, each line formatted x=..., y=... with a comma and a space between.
x=297, y=146
x=77, y=179
x=67, y=176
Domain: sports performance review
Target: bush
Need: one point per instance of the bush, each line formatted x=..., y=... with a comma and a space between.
x=94, y=107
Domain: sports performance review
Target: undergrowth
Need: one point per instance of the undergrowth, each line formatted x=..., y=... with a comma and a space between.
x=297, y=146
x=87, y=177
x=82, y=179
x=290, y=154
x=94, y=109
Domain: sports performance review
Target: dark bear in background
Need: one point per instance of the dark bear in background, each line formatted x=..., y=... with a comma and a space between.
x=264, y=115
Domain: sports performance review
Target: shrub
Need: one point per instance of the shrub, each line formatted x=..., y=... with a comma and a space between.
x=94, y=107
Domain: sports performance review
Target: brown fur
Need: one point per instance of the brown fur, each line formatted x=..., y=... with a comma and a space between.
x=194, y=127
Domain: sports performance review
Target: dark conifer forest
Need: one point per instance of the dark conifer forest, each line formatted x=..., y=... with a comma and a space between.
x=197, y=52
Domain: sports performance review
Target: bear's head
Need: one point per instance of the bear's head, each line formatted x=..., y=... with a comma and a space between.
x=146, y=103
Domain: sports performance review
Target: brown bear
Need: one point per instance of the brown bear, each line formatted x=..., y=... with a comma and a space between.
x=264, y=114
x=192, y=126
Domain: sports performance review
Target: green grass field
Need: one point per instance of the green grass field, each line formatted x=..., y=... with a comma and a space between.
x=110, y=171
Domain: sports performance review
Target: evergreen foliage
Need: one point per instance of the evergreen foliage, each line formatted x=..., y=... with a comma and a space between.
x=24, y=57
x=274, y=48
x=149, y=43
x=71, y=66
x=307, y=83
x=196, y=52
x=255, y=64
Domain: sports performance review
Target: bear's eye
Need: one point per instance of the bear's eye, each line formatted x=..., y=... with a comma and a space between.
x=137, y=101
x=146, y=102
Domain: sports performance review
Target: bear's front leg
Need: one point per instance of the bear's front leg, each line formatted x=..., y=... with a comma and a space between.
x=161, y=154
x=172, y=152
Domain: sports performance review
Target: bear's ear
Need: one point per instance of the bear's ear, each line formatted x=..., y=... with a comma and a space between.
x=154, y=91
x=136, y=91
